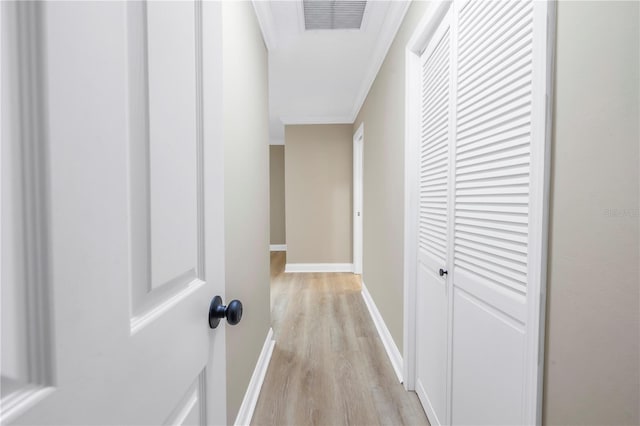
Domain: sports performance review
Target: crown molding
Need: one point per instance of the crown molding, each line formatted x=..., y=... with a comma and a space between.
x=395, y=16
x=267, y=25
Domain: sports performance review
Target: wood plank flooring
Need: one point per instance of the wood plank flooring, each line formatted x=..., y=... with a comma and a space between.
x=328, y=366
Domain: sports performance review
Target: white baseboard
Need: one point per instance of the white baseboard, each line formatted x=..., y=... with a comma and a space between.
x=245, y=413
x=389, y=345
x=318, y=267
x=278, y=247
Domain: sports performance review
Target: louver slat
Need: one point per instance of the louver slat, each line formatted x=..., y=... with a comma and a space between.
x=493, y=142
x=434, y=151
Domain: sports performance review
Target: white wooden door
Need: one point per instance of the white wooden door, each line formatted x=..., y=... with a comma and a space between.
x=433, y=221
x=498, y=224
x=358, y=156
x=112, y=214
x=483, y=116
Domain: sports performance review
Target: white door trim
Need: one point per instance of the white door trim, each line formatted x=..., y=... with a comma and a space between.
x=543, y=77
x=358, y=185
x=542, y=106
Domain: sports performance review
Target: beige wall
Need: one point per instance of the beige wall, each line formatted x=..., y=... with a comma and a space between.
x=245, y=100
x=592, y=358
x=592, y=350
x=276, y=187
x=318, y=184
x=383, y=195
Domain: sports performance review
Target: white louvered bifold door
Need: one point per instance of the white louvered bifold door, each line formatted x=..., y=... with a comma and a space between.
x=492, y=212
x=433, y=219
x=481, y=138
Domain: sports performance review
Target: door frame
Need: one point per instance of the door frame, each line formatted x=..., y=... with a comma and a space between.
x=542, y=106
x=213, y=177
x=358, y=205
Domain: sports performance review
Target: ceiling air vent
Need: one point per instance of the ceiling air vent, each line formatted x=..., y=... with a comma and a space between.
x=333, y=15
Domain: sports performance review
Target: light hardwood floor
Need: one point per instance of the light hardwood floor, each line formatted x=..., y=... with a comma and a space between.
x=329, y=366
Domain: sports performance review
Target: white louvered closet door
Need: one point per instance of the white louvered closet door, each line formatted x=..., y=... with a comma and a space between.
x=434, y=219
x=496, y=196
x=481, y=211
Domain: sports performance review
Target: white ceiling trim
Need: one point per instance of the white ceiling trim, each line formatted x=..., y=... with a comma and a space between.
x=395, y=16
x=265, y=20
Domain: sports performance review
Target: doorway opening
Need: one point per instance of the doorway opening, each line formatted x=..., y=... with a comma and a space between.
x=358, y=154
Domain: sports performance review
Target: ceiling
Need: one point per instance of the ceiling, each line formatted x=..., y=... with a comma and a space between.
x=322, y=76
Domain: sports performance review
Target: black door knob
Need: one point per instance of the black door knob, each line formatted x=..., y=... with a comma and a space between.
x=443, y=272
x=232, y=312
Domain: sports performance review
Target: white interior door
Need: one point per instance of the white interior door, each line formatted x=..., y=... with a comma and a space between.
x=112, y=243
x=433, y=221
x=358, y=155
x=498, y=231
x=483, y=116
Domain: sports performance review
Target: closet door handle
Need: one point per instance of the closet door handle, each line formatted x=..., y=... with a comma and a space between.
x=443, y=272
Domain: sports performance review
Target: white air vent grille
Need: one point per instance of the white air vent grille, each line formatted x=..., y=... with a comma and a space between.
x=333, y=15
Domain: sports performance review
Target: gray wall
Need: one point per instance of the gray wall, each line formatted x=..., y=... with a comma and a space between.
x=318, y=184
x=276, y=187
x=246, y=133
x=383, y=176
x=592, y=358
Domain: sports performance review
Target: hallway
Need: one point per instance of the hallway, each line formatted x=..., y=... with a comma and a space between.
x=329, y=366
x=319, y=212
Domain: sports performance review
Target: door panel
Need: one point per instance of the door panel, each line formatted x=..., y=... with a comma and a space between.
x=431, y=366
x=488, y=363
x=122, y=155
x=191, y=410
x=492, y=212
x=166, y=163
x=433, y=219
x=174, y=141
